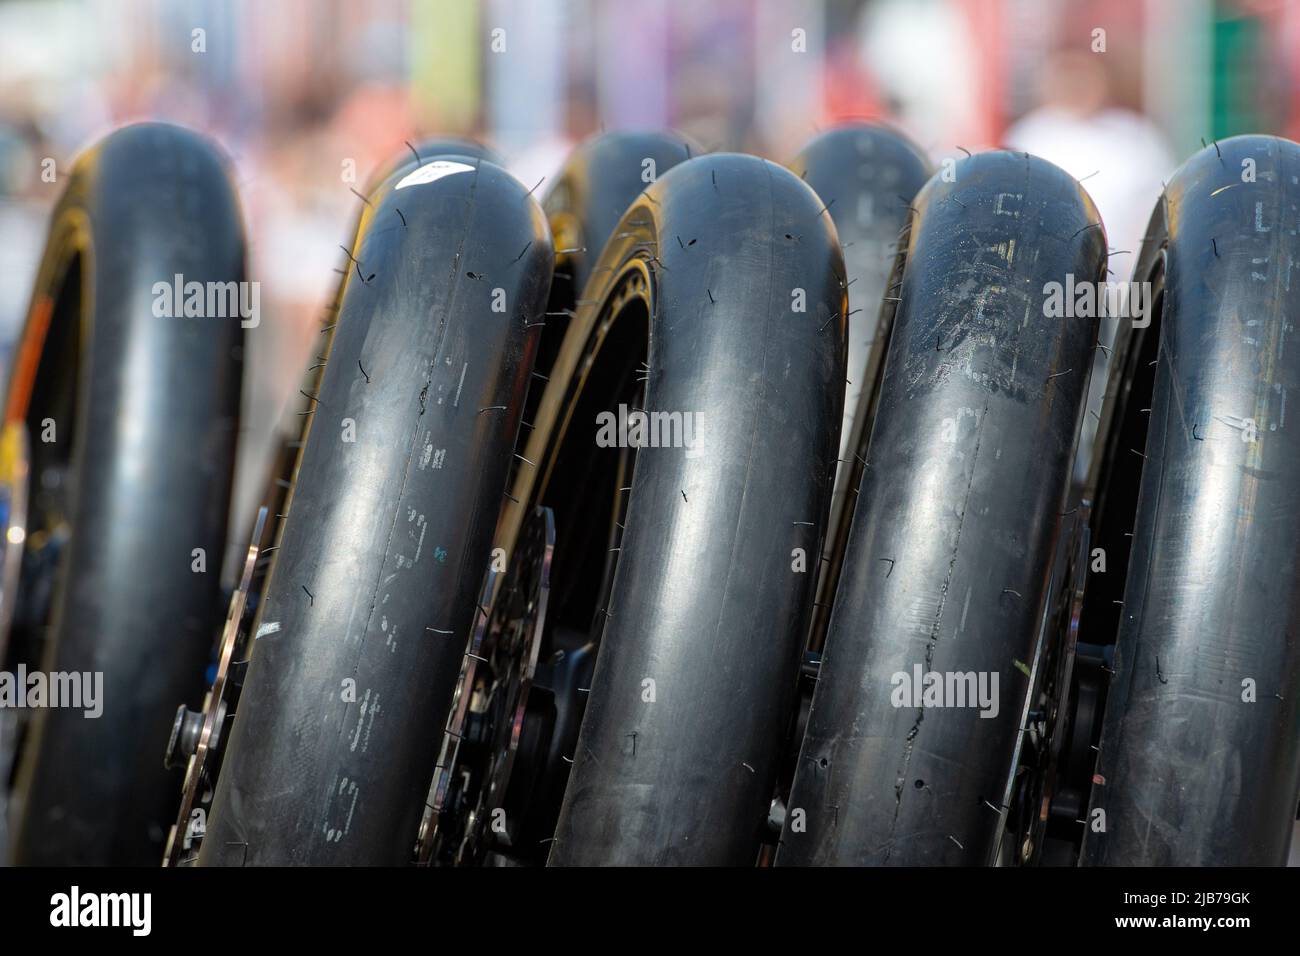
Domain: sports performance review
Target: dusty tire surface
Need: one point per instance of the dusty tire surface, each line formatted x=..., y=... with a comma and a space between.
x=1200, y=759
x=364, y=623
x=960, y=503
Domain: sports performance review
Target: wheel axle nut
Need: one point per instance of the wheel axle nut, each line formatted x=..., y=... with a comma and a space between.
x=184, y=740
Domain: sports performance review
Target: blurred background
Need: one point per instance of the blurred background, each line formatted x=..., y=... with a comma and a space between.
x=309, y=96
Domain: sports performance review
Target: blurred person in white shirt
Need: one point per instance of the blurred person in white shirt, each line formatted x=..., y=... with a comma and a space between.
x=1120, y=155
x=1121, y=158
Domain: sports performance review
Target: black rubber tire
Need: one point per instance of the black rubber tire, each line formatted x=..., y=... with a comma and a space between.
x=867, y=175
x=1189, y=773
x=594, y=188
x=596, y=185
x=946, y=566
x=154, y=420
x=425, y=151
x=417, y=154
x=434, y=381
x=704, y=600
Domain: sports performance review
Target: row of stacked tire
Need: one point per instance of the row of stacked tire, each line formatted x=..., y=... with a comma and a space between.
x=861, y=613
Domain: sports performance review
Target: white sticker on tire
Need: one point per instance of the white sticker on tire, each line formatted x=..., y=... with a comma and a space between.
x=431, y=172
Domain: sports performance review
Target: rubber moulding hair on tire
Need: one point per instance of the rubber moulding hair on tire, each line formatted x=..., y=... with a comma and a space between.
x=1199, y=763
x=945, y=572
x=713, y=587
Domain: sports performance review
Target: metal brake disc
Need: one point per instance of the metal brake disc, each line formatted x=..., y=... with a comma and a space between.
x=1044, y=717
x=197, y=733
x=466, y=816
